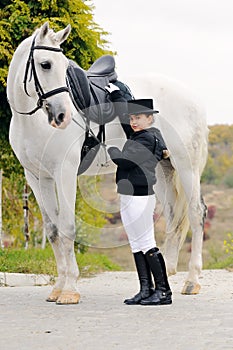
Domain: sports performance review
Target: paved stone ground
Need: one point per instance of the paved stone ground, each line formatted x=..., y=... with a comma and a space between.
x=102, y=322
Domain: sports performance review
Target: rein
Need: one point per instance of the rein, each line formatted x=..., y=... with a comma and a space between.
x=42, y=96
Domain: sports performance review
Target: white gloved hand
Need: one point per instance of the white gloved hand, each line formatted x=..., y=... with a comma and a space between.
x=166, y=154
x=111, y=87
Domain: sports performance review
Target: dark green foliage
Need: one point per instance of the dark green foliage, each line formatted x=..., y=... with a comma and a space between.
x=8, y=161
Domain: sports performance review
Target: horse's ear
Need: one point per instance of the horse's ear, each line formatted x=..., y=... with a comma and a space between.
x=44, y=30
x=63, y=34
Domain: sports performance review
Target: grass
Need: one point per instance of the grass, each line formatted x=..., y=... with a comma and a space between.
x=226, y=263
x=42, y=261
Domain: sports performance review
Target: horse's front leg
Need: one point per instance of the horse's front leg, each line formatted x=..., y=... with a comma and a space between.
x=45, y=193
x=70, y=293
x=56, y=243
x=66, y=192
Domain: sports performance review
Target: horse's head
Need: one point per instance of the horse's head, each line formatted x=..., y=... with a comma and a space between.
x=50, y=67
x=37, y=77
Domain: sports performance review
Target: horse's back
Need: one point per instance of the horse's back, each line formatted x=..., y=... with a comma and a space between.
x=173, y=98
x=182, y=115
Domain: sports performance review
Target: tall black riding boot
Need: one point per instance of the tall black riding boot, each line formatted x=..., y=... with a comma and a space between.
x=145, y=280
x=162, y=294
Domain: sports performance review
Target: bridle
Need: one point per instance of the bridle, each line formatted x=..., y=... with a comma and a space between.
x=42, y=96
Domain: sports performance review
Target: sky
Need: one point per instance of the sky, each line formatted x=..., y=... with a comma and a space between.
x=190, y=41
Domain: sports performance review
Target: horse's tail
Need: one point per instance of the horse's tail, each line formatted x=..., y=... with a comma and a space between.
x=180, y=222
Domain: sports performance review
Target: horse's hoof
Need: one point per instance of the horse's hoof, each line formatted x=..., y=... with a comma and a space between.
x=191, y=288
x=68, y=297
x=54, y=295
x=171, y=272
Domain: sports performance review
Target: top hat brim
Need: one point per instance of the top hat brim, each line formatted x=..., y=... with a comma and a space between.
x=147, y=111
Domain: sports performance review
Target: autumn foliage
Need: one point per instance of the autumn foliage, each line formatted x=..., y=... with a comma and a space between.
x=219, y=168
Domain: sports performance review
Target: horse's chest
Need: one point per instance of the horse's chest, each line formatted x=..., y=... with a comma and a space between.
x=28, y=153
x=29, y=146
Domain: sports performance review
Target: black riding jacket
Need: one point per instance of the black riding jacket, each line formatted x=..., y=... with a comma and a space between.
x=137, y=161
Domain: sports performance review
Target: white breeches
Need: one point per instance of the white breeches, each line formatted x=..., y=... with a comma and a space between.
x=137, y=218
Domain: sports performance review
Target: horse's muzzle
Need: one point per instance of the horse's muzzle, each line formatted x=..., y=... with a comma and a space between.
x=60, y=124
x=58, y=117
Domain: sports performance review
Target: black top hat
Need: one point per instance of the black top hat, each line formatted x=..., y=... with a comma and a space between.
x=141, y=106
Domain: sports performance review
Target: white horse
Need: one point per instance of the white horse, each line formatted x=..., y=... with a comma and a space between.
x=47, y=143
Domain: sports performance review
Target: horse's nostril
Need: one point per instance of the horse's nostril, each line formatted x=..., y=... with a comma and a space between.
x=60, y=117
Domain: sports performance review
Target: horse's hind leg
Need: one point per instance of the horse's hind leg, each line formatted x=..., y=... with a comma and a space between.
x=48, y=199
x=196, y=212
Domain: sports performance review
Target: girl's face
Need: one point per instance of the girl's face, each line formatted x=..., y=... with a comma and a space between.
x=140, y=121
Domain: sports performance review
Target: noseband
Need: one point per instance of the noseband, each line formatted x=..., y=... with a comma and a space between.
x=42, y=96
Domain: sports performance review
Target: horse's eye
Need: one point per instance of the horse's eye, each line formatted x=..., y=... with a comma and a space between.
x=46, y=65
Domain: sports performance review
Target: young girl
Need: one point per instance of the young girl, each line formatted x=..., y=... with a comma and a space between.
x=135, y=178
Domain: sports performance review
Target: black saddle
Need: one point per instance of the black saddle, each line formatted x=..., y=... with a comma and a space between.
x=87, y=88
x=103, y=66
x=89, y=95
